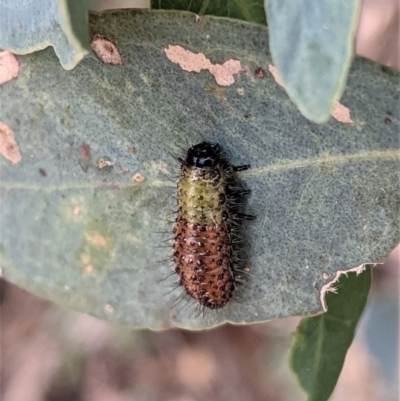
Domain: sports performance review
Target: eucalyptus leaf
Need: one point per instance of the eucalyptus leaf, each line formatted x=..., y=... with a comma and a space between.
x=30, y=25
x=326, y=196
x=321, y=342
x=241, y=9
x=312, y=47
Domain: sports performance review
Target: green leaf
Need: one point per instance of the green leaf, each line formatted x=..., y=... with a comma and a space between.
x=312, y=47
x=241, y=9
x=30, y=25
x=326, y=196
x=321, y=342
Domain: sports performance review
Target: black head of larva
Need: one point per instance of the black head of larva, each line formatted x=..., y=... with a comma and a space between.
x=203, y=155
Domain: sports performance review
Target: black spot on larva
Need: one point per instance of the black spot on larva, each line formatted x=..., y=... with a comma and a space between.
x=208, y=209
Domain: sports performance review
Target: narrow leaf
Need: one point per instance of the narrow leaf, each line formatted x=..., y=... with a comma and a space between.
x=312, y=47
x=321, y=342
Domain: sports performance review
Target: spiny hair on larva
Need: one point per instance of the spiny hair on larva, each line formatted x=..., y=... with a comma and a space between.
x=207, y=227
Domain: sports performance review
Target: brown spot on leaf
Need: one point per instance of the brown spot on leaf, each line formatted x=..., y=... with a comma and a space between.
x=8, y=146
x=85, y=151
x=387, y=120
x=259, y=72
x=9, y=67
x=106, y=50
x=42, y=172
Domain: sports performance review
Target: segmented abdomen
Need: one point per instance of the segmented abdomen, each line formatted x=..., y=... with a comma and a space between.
x=203, y=248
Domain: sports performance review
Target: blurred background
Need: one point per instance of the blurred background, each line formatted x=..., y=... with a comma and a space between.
x=49, y=354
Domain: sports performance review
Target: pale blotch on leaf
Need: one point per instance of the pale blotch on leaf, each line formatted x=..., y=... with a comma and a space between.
x=108, y=309
x=101, y=163
x=86, y=263
x=106, y=50
x=274, y=72
x=96, y=240
x=76, y=210
x=9, y=67
x=88, y=269
x=342, y=114
x=160, y=166
x=8, y=146
x=224, y=73
x=196, y=62
x=138, y=178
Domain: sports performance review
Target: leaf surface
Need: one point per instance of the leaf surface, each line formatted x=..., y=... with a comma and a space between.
x=326, y=196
